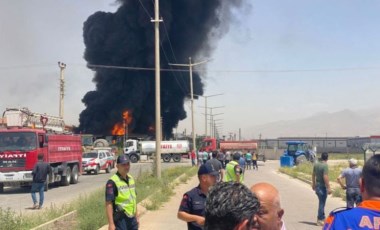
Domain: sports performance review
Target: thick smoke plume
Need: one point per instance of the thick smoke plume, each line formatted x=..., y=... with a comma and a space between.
x=126, y=38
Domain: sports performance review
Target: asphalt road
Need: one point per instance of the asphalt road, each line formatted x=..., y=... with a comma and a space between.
x=297, y=198
x=19, y=199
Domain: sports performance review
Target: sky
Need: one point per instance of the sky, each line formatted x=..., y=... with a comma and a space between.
x=280, y=60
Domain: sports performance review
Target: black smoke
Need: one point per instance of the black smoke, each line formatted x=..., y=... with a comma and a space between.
x=126, y=38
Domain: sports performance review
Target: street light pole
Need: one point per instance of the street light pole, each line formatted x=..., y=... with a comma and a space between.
x=205, y=97
x=190, y=65
x=212, y=121
x=157, y=87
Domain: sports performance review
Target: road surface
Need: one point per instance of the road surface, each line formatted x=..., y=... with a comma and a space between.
x=19, y=198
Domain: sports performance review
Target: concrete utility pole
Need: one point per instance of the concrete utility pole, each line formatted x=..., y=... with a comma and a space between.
x=205, y=107
x=190, y=65
x=205, y=97
x=62, y=67
x=211, y=117
x=158, y=91
x=212, y=122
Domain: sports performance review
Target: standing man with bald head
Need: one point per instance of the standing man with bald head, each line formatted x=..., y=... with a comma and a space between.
x=270, y=214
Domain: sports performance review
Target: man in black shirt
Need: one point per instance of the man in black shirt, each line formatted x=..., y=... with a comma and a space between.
x=40, y=171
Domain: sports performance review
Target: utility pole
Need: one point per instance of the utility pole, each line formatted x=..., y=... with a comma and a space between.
x=190, y=65
x=62, y=67
x=158, y=91
x=205, y=97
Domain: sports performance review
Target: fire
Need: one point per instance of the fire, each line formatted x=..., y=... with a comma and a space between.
x=122, y=127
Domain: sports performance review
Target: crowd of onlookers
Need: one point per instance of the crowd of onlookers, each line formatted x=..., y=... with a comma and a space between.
x=247, y=160
x=229, y=204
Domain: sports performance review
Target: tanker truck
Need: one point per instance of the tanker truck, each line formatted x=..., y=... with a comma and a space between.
x=27, y=134
x=169, y=149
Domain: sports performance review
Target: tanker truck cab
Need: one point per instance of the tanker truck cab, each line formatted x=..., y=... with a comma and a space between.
x=130, y=146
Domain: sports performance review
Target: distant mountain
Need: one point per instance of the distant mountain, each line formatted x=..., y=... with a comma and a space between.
x=339, y=124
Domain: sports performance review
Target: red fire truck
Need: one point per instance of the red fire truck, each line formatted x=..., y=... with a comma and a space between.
x=27, y=134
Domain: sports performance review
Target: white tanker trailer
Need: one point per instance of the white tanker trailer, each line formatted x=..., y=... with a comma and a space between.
x=169, y=149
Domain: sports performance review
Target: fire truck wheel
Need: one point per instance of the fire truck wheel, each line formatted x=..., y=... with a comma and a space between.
x=108, y=169
x=74, y=175
x=1, y=187
x=166, y=158
x=176, y=158
x=96, y=171
x=66, y=179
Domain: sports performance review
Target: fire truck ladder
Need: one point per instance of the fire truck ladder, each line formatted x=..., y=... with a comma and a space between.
x=25, y=118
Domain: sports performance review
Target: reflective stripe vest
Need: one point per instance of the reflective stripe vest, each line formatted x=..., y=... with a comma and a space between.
x=230, y=172
x=126, y=198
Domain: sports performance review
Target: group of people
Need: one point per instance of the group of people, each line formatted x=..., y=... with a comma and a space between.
x=247, y=160
x=362, y=187
x=218, y=205
x=230, y=205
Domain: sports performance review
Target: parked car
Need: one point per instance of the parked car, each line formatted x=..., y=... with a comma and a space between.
x=110, y=153
x=96, y=160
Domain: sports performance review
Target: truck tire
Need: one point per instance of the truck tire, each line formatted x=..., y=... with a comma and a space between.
x=133, y=158
x=1, y=187
x=108, y=168
x=101, y=143
x=176, y=157
x=166, y=157
x=74, y=175
x=66, y=179
x=97, y=170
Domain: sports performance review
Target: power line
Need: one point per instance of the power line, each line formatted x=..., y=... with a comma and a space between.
x=200, y=70
x=146, y=11
x=240, y=71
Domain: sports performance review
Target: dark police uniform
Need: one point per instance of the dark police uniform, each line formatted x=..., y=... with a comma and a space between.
x=111, y=194
x=193, y=202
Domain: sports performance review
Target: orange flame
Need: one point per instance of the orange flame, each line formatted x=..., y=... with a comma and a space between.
x=121, y=127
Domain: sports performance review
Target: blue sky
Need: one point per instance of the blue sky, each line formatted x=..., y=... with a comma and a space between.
x=270, y=36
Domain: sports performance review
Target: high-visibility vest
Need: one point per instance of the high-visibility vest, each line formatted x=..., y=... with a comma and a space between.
x=230, y=172
x=126, y=195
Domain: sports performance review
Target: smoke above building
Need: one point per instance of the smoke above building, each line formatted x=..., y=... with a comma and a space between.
x=126, y=38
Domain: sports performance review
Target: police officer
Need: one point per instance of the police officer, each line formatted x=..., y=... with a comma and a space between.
x=192, y=207
x=121, y=204
x=233, y=170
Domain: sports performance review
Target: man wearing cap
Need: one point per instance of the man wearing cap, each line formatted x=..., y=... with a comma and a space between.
x=233, y=170
x=192, y=207
x=352, y=176
x=367, y=214
x=121, y=204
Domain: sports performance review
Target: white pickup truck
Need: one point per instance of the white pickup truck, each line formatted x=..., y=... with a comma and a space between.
x=169, y=149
